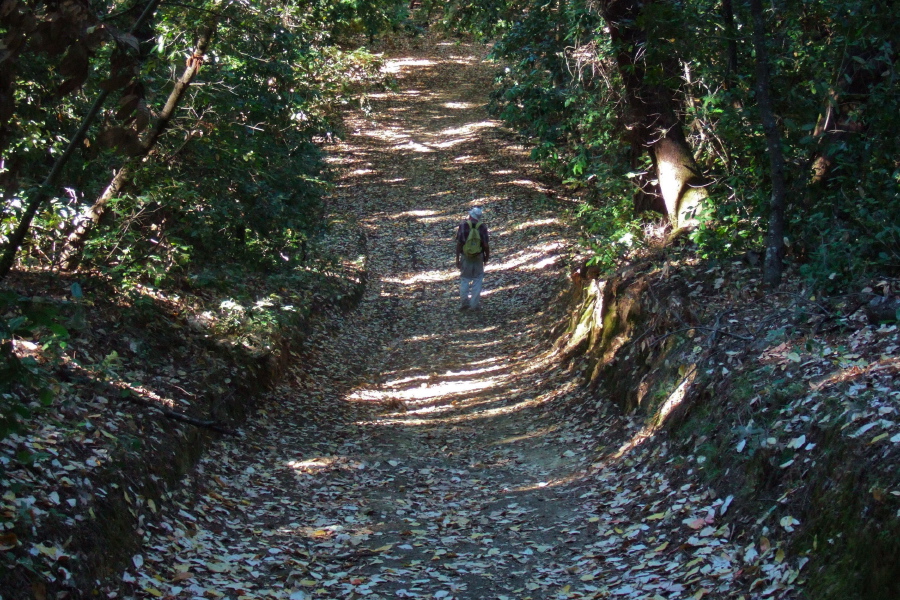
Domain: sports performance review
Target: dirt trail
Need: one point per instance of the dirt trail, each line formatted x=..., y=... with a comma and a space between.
x=447, y=492
x=420, y=460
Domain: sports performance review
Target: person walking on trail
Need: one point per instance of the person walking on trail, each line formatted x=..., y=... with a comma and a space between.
x=472, y=252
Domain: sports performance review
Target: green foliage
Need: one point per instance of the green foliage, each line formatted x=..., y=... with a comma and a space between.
x=238, y=174
x=367, y=16
x=834, y=81
x=568, y=105
x=25, y=384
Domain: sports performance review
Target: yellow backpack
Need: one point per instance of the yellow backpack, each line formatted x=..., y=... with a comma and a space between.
x=472, y=247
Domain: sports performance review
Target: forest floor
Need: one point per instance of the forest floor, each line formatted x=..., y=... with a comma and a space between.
x=422, y=455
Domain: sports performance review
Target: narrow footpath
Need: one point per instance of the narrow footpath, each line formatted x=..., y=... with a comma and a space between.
x=422, y=458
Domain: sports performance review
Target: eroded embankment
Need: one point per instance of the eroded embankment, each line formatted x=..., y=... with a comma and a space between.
x=782, y=402
x=143, y=386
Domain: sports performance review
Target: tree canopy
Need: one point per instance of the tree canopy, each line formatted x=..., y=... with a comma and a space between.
x=640, y=106
x=221, y=161
x=648, y=104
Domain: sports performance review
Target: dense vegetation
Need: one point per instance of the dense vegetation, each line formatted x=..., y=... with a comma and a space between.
x=223, y=164
x=640, y=104
x=169, y=146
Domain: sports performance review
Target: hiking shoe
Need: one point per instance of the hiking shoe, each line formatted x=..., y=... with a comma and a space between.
x=464, y=307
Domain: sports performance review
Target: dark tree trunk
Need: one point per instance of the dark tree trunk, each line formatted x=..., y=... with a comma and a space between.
x=655, y=125
x=731, y=51
x=773, y=265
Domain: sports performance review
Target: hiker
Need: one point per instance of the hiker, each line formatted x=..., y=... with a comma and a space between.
x=472, y=252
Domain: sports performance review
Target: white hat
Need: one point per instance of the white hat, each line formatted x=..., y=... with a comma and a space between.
x=476, y=213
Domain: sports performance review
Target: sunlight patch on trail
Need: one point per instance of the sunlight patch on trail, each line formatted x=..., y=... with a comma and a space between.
x=475, y=416
x=415, y=213
x=528, y=184
x=449, y=374
x=525, y=260
x=415, y=147
x=536, y=223
x=426, y=277
x=426, y=217
x=469, y=129
x=396, y=65
x=313, y=464
x=542, y=264
x=478, y=345
x=531, y=435
x=429, y=392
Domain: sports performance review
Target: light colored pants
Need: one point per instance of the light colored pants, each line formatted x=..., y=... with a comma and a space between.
x=464, y=283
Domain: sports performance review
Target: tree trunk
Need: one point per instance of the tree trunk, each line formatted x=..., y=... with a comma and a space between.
x=731, y=56
x=655, y=123
x=680, y=182
x=48, y=186
x=774, y=261
x=72, y=253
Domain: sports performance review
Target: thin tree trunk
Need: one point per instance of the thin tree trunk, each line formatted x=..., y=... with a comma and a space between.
x=48, y=186
x=72, y=252
x=731, y=55
x=774, y=260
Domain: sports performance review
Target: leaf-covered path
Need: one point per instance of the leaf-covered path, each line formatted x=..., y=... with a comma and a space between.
x=419, y=458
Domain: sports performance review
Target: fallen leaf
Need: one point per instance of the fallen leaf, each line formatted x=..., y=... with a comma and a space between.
x=8, y=541
x=788, y=522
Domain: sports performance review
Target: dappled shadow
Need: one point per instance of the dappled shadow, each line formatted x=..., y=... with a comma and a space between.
x=419, y=417
x=427, y=154
x=424, y=452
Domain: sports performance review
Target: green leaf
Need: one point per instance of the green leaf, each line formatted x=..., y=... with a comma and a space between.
x=46, y=396
x=16, y=323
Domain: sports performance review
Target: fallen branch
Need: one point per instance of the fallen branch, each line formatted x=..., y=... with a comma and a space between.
x=177, y=416
x=677, y=331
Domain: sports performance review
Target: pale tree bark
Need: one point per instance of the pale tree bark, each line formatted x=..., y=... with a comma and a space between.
x=72, y=253
x=773, y=266
x=48, y=187
x=655, y=122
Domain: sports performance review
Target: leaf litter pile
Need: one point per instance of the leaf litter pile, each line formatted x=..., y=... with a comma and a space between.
x=426, y=453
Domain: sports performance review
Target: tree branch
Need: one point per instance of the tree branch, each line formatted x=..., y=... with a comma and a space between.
x=46, y=189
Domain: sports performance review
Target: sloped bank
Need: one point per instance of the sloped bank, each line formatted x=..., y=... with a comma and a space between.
x=87, y=473
x=786, y=401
